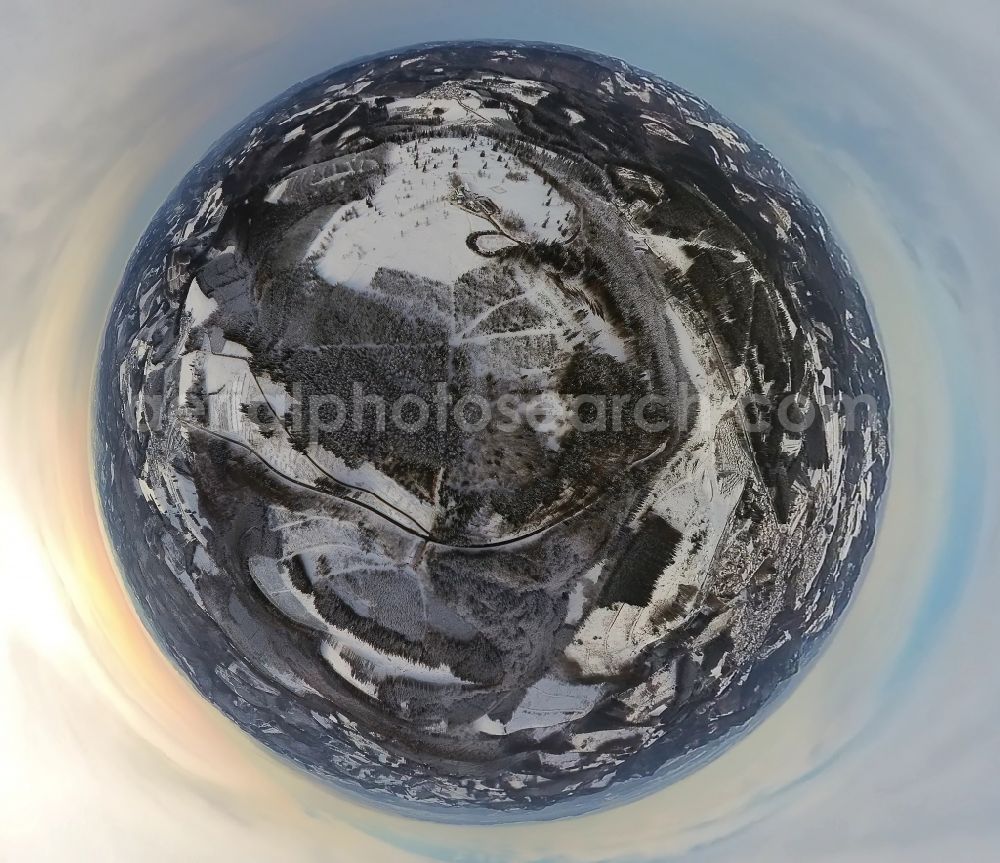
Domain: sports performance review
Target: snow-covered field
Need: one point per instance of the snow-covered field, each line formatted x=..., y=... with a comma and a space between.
x=423, y=210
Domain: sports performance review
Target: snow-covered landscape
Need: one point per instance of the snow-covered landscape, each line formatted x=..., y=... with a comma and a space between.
x=462, y=396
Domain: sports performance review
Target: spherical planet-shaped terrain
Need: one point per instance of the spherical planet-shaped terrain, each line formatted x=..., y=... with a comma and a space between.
x=490, y=428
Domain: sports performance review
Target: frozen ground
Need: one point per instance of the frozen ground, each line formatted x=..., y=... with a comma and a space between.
x=434, y=194
x=511, y=620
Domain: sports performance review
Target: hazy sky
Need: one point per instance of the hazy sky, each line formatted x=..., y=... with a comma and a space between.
x=888, y=114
